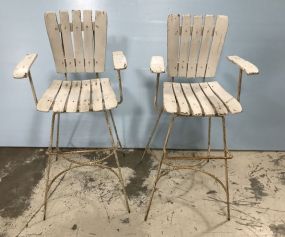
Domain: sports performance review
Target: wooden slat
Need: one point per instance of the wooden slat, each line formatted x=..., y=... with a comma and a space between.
x=67, y=41
x=47, y=99
x=77, y=41
x=61, y=98
x=157, y=64
x=119, y=60
x=184, y=45
x=192, y=100
x=230, y=102
x=84, y=101
x=248, y=67
x=109, y=95
x=207, y=108
x=169, y=101
x=196, y=36
x=100, y=40
x=173, y=28
x=23, y=67
x=72, y=103
x=97, y=101
x=215, y=101
x=217, y=45
x=205, y=45
x=88, y=41
x=55, y=41
x=183, y=107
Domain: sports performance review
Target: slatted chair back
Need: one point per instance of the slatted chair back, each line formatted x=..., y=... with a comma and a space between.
x=194, y=44
x=78, y=42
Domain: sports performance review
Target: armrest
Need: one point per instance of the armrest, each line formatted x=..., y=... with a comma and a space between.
x=157, y=64
x=244, y=65
x=119, y=60
x=22, y=69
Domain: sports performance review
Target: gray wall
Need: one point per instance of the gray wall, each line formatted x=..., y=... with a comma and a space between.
x=138, y=27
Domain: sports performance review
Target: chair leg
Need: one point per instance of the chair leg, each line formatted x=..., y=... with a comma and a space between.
x=159, y=166
x=115, y=129
x=151, y=135
x=57, y=136
x=226, y=166
x=209, y=136
x=117, y=161
x=49, y=165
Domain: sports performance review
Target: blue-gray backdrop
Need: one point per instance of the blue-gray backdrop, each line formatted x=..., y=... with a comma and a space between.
x=138, y=27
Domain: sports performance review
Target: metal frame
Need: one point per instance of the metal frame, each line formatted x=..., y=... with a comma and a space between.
x=76, y=164
x=196, y=167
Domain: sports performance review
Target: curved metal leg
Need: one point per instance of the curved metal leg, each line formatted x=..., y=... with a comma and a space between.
x=226, y=166
x=49, y=164
x=160, y=164
x=115, y=128
x=151, y=135
x=57, y=136
x=117, y=161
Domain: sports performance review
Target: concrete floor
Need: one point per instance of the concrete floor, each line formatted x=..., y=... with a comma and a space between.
x=88, y=201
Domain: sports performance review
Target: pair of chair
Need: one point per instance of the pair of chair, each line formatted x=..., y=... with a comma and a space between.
x=78, y=44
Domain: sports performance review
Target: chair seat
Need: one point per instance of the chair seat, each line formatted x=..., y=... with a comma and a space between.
x=198, y=99
x=78, y=96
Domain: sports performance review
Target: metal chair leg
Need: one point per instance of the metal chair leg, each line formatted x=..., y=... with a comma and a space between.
x=49, y=165
x=117, y=161
x=115, y=128
x=151, y=135
x=57, y=136
x=209, y=136
x=160, y=164
x=226, y=166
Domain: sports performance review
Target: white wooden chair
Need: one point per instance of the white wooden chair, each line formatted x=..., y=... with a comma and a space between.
x=78, y=45
x=194, y=46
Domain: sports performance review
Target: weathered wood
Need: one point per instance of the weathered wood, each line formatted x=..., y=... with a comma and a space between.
x=119, y=60
x=72, y=103
x=183, y=107
x=230, y=102
x=48, y=97
x=207, y=108
x=61, y=98
x=215, y=101
x=84, y=101
x=194, y=46
x=97, y=99
x=109, y=95
x=184, y=45
x=55, y=41
x=205, y=45
x=246, y=66
x=169, y=101
x=78, y=41
x=220, y=32
x=173, y=29
x=88, y=41
x=24, y=66
x=100, y=40
x=192, y=100
x=67, y=41
x=157, y=64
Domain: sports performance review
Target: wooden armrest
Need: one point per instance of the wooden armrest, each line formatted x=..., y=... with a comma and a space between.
x=119, y=60
x=157, y=64
x=246, y=66
x=23, y=67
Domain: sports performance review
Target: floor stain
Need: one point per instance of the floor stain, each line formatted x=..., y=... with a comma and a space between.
x=278, y=230
x=257, y=188
x=20, y=164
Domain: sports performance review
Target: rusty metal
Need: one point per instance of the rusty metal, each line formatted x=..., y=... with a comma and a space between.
x=115, y=129
x=33, y=88
x=239, y=84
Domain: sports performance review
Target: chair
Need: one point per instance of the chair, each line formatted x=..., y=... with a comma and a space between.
x=194, y=46
x=78, y=45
